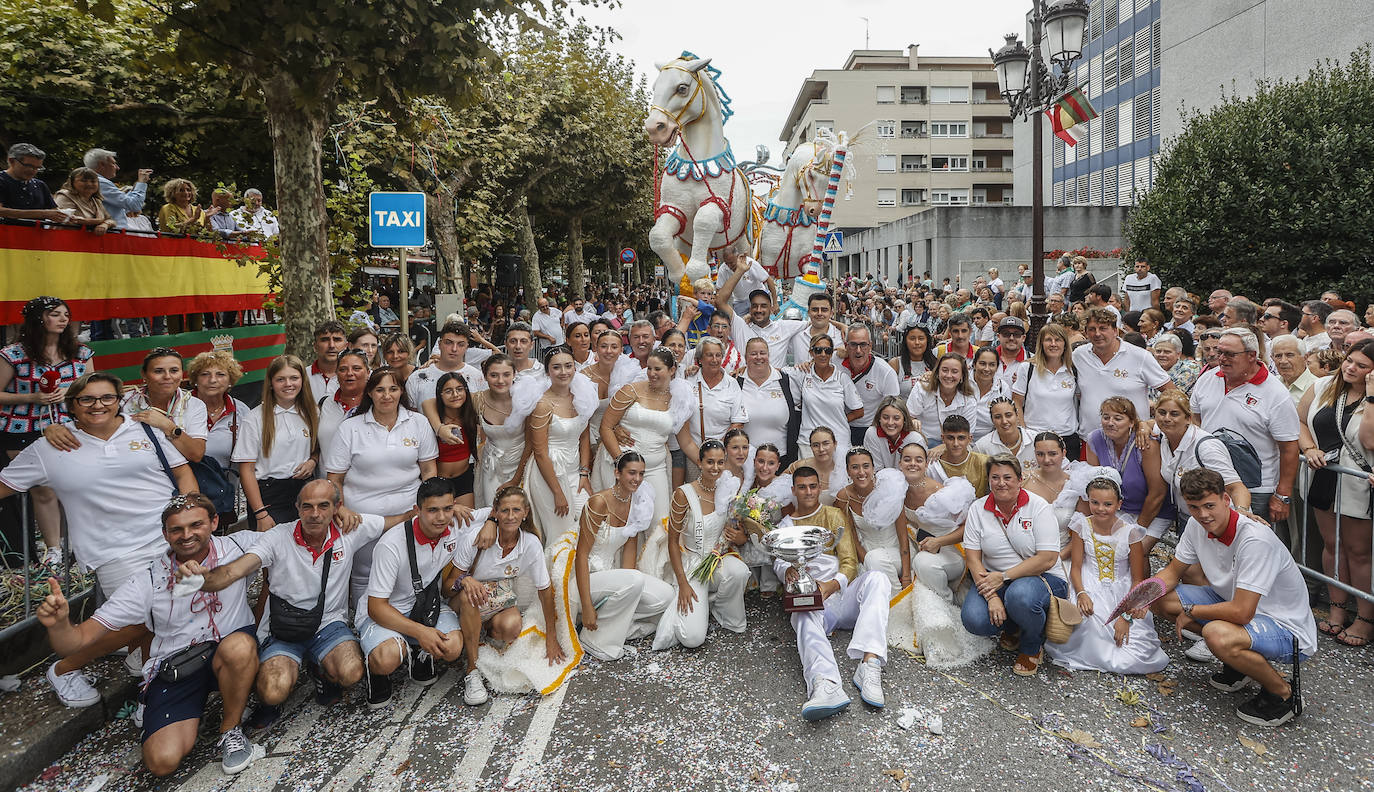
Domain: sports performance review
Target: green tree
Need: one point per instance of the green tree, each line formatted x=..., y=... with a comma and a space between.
x=1269, y=194
x=305, y=56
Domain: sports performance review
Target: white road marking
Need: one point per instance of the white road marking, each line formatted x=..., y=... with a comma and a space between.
x=364, y=760
x=212, y=776
x=481, y=743
x=265, y=772
x=537, y=735
x=398, y=751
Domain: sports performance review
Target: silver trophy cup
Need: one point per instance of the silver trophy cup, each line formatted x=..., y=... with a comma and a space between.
x=798, y=545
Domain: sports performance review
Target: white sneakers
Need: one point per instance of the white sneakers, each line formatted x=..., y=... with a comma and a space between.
x=73, y=688
x=868, y=678
x=1200, y=653
x=474, y=692
x=829, y=699
x=133, y=663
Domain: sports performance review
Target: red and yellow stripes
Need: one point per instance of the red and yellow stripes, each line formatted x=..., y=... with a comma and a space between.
x=123, y=275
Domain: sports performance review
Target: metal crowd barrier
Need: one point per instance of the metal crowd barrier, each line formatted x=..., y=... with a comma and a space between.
x=1305, y=479
x=30, y=576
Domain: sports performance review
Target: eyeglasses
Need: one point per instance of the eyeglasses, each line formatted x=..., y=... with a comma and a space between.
x=1226, y=353
x=858, y=344
x=104, y=399
x=1210, y=336
x=454, y=391
x=31, y=166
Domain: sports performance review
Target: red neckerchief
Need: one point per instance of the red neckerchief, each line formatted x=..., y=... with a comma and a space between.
x=1261, y=375
x=420, y=537
x=347, y=411
x=229, y=409
x=856, y=376
x=328, y=541
x=315, y=369
x=893, y=443
x=1229, y=535
x=1022, y=498
x=1020, y=357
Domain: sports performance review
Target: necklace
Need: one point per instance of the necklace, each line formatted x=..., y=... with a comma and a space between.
x=703, y=487
x=615, y=493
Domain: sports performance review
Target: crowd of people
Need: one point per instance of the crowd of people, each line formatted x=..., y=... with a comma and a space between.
x=577, y=473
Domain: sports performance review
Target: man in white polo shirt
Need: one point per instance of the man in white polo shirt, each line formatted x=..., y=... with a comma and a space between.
x=1243, y=396
x=1107, y=367
x=820, y=307
x=202, y=641
x=777, y=332
x=454, y=340
x=873, y=379
x=1254, y=609
x=310, y=559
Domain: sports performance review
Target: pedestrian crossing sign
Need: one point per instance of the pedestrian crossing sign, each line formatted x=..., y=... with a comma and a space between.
x=834, y=242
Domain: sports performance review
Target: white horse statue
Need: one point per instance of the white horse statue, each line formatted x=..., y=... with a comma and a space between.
x=703, y=203
x=789, y=219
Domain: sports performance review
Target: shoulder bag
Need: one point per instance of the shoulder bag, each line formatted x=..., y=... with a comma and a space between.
x=299, y=625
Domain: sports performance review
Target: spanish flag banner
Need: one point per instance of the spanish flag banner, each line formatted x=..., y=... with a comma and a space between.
x=1070, y=109
x=118, y=275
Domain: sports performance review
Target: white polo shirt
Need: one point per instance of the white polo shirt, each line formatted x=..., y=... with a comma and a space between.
x=767, y=409
x=421, y=382
x=800, y=345
x=322, y=384
x=390, y=576
x=930, y=409
x=877, y=384
x=1260, y=410
x=382, y=467
x=1255, y=560
x=112, y=490
x=1030, y=529
x=884, y=455
x=1010, y=374
x=990, y=444
x=824, y=402
x=332, y=414
x=290, y=443
x=1138, y=290
x=778, y=333
x=526, y=558
x=546, y=322
x=221, y=435
x=296, y=576
x=179, y=622
x=186, y=411
x=982, y=423
x=1131, y=372
x=755, y=279
x=1050, y=401
x=720, y=406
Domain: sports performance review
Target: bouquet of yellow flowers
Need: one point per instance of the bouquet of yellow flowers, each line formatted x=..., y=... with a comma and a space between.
x=756, y=513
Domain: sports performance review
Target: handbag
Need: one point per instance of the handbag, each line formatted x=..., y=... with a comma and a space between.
x=427, y=601
x=299, y=625
x=1061, y=617
x=187, y=662
x=500, y=595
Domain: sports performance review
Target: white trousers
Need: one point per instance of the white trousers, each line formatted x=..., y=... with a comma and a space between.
x=938, y=571
x=862, y=606
x=888, y=561
x=625, y=599
x=723, y=598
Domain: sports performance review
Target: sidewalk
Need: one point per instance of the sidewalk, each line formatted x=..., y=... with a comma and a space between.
x=36, y=729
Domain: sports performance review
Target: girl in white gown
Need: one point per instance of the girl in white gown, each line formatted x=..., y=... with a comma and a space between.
x=559, y=470
x=1108, y=560
x=871, y=504
x=498, y=461
x=767, y=462
x=695, y=527
x=833, y=477
x=649, y=411
x=618, y=601
x=607, y=347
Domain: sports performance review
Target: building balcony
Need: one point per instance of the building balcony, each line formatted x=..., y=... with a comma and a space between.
x=997, y=135
x=988, y=169
x=912, y=168
x=912, y=134
x=985, y=100
x=916, y=203
x=917, y=100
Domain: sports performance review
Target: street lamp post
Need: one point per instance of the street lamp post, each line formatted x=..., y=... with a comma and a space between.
x=1030, y=85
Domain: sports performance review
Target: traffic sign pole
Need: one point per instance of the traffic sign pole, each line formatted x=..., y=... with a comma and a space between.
x=405, y=295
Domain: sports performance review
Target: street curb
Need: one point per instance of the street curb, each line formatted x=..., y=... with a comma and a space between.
x=49, y=738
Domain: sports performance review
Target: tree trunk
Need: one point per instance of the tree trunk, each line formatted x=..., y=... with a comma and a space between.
x=444, y=223
x=297, y=134
x=577, y=278
x=528, y=250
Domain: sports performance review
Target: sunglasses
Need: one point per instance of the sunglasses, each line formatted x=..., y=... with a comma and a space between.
x=1210, y=336
x=822, y=350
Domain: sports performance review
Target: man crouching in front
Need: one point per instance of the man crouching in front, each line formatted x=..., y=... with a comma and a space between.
x=201, y=642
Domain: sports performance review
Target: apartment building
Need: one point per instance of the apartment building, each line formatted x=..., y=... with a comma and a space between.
x=938, y=132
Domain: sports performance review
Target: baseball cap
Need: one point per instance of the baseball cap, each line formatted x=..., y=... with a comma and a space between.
x=1011, y=322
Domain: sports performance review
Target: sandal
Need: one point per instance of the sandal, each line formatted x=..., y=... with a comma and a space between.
x=1330, y=627
x=1028, y=665
x=1009, y=641
x=1354, y=640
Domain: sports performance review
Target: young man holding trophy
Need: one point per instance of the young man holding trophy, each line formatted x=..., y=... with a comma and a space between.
x=815, y=556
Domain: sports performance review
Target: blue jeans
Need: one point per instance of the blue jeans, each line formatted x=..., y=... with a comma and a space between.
x=1270, y=640
x=1025, y=600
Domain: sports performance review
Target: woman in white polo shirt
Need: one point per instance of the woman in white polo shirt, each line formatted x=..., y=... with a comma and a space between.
x=717, y=395
x=277, y=449
x=765, y=401
x=945, y=394
x=351, y=373
x=828, y=395
x=212, y=374
x=379, y=457
x=113, y=487
x=1011, y=542
x=1048, y=397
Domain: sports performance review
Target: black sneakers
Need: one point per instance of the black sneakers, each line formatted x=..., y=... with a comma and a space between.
x=1267, y=709
x=327, y=691
x=378, y=691
x=422, y=669
x=263, y=717
x=1228, y=679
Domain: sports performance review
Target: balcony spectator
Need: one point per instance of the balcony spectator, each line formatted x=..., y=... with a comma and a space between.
x=138, y=221
x=23, y=196
x=118, y=203
x=253, y=216
x=180, y=215
x=79, y=197
x=220, y=216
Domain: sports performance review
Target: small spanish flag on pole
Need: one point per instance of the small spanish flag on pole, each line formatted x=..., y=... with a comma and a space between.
x=1070, y=109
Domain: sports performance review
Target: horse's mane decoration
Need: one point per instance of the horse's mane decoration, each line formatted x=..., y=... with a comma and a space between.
x=726, y=112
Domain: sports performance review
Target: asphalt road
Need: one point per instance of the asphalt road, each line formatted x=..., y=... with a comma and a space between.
x=726, y=717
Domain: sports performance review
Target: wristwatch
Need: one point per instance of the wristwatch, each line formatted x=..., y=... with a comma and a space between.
x=1283, y=498
x=177, y=432
x=1188, y=609
x=1369, y=399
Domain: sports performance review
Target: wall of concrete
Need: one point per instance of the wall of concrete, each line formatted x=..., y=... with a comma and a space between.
x=1226, y=45
x=938, y=239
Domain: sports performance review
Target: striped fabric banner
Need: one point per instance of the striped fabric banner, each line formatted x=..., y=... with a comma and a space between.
x=122, y=275
x=253, y=347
